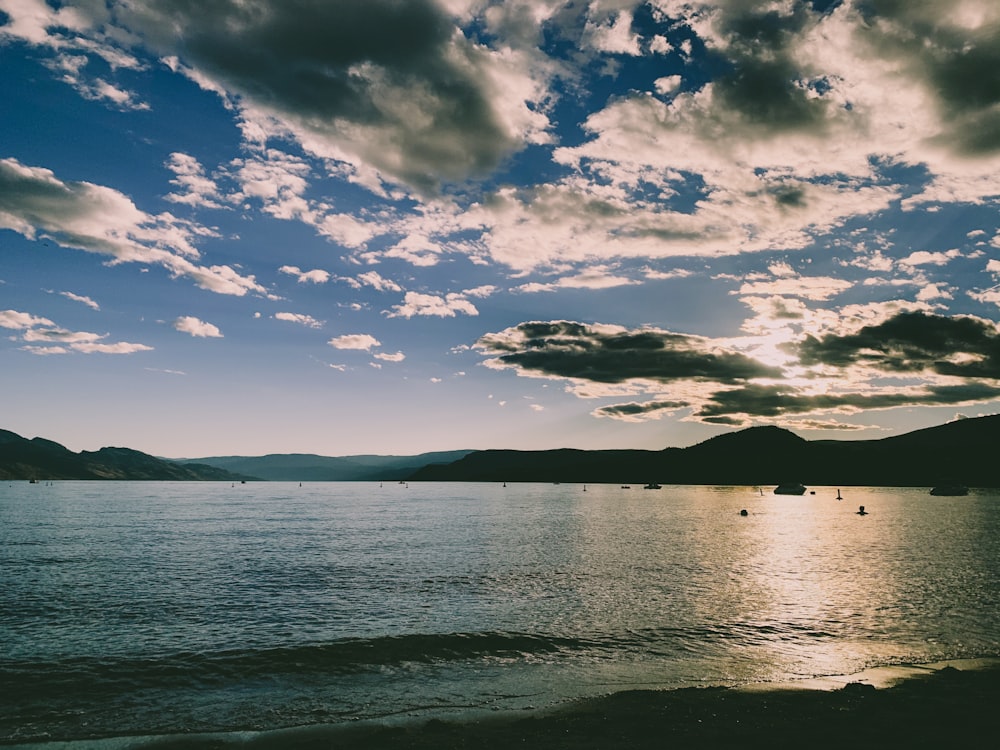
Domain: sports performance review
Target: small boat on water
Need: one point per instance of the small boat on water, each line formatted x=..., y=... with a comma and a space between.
x=951, y=489
x=790, y=489
x=652, y=486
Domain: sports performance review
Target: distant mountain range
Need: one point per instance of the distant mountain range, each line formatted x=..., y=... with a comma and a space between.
x=963, y=451
x=304, y=467
x=38, y=458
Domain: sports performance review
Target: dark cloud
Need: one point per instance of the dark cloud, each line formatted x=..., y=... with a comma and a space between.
x=959, y=64
x=764, y=83
x=634, y=409
x=913, y=342
x=33, y=195
x=777, y=400
x=793, y=196
x=75, y=214
x=605, y=355
x=386, y=73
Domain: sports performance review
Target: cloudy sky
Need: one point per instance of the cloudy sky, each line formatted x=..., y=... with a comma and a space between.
x=328, y=226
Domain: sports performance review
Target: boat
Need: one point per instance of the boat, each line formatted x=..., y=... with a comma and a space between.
x=950, y=489
x=652, y=486
x=790, y=489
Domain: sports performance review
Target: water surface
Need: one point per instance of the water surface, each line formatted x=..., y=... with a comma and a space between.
x=138, y=608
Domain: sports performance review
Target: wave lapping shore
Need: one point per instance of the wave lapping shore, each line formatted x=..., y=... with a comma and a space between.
x=944, y=705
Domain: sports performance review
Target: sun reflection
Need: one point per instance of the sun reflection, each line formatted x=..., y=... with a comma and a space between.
x=807, y=598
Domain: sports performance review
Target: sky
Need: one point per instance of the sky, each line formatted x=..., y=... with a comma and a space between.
x=326, y=226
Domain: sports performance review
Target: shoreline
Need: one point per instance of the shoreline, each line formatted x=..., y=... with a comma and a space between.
x=926, y=705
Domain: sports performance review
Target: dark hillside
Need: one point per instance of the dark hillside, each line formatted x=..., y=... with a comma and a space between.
x=41, y=459
x=964, y=450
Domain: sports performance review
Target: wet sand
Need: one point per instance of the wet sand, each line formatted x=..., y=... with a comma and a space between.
x=922, y=707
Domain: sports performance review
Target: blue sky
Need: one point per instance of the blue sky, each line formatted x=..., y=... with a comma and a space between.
x=274, y=226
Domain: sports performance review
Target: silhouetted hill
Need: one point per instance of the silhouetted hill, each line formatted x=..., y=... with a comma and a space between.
x=963, y=450
x=38, y=458
x=304, y=467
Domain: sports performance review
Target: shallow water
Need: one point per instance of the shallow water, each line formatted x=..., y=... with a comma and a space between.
x=141, y=608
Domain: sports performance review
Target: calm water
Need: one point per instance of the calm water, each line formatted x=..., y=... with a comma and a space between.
x=157, y=608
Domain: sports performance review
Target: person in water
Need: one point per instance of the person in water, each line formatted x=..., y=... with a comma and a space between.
x=862, y=511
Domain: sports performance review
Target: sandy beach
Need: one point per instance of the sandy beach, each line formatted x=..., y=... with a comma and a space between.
x=942, y=705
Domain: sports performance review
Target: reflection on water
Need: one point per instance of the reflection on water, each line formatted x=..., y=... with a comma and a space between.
x=211, y=606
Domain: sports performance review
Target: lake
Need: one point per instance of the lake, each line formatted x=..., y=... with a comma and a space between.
x=157, y=608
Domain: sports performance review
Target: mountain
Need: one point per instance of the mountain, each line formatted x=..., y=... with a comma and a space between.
x=963, y=450
x=38, y=458
x=564, y=464
x=305, y=467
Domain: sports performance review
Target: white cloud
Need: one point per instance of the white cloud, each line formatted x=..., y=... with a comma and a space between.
x=596, y=277
x=386, y=357
x=195, y=327
x=304, y=320
x=75, y=38
x=44, y=337
x=781, y=269
x=874, y=261
x=676, y=273
x=417, y=249
x=924, y=258
x=377, y=281
x=934, y=292
x=815, y=287
x=480, y=292
x=35, y=203
x=316, y=276
x=82, y=299
x=45, y=351
x=21, y=320
x=359, y=341
x=278, y=181
x=194, y=187
x=62, y=335
x=987, y=296
x=667, y=84
x=119, y=348
x=613, y=34
x=447, y=306
x=98, y=89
